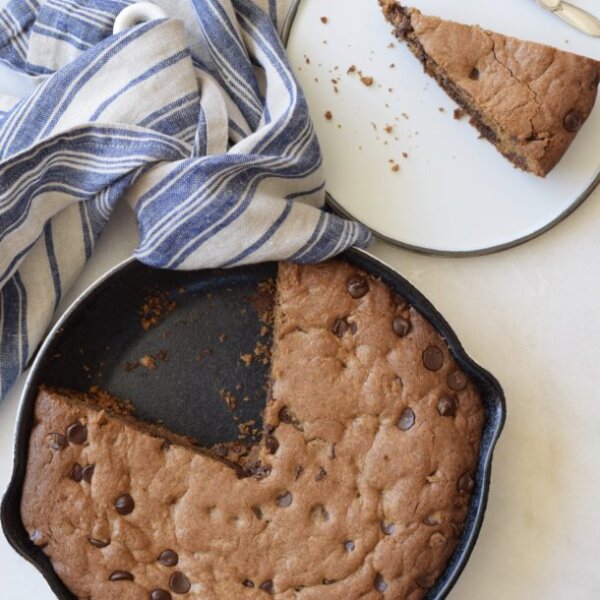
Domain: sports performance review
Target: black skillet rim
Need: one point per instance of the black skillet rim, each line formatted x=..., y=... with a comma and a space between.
x=490, y=389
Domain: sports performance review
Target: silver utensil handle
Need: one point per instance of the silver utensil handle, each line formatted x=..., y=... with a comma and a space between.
x=578, y=18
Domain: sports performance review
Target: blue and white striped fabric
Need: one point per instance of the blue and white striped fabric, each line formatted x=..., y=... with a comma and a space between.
x=202, y=129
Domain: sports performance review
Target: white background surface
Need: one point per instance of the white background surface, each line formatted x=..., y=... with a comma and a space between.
x=454, y=192
x=530, y=315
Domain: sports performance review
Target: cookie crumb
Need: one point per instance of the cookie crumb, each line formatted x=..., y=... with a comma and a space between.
x=148, y=362
x=154, y=310
x=246, y=428
x=324, y=20
x=329, y=115
x=262, y=353
x=229, y=399
x=389, y=129
x=459, y=113
x=351, y=69
x=367, y=80
x=442, y=109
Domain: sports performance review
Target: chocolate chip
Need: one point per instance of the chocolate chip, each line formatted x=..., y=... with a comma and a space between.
x=57, y=441
x=267, y=586
x=573, y=121
x=168, y=558
x=179, y=583
x=75, y=473
x=446, y=406
x=124, y=504
x=358, y=287
x=285, y=500
x=258, y=513
x=380, y=583
x=474, y=74
x=407, y=419
x=328, y=581
x=247, y=583
x=98, y=543
x=159, y=594
x=121, y=576
x=88, y=472
x=457, y=381
x=340, y=327
x=433, y=358
x=401, y=326
x=595, y=82
x=284, y=416
x=321, y=474
x=387, y=528
x=349, y=546
x=298, y=470
x=37, y=537
x=271, y=444
x=77, y=433
x=466, y=483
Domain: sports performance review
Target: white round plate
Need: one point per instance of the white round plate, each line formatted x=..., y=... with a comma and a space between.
x=453, y=192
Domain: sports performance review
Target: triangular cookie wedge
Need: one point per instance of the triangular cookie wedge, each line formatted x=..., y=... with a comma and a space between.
x=528, y=99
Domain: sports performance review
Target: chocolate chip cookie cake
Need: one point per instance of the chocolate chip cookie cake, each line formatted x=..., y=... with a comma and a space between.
x=528, y=99
x=359, y=488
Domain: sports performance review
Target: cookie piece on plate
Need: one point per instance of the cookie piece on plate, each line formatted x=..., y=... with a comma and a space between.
x=528, y=99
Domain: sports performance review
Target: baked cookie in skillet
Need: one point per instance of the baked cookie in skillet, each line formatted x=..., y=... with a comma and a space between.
x=359, y=488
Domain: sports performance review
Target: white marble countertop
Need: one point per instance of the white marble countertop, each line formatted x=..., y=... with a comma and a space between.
x=530, y=315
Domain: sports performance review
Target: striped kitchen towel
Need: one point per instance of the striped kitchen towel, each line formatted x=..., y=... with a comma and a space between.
x=195, y=120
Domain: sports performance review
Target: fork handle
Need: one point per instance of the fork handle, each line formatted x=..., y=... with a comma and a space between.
x=579, y=18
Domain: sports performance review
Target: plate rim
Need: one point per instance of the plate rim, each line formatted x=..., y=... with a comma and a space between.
x=494, y=249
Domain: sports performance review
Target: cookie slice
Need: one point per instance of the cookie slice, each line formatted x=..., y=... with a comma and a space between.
x=528, y=99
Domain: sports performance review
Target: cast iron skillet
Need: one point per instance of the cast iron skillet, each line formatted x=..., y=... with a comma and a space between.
x=200, y=342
